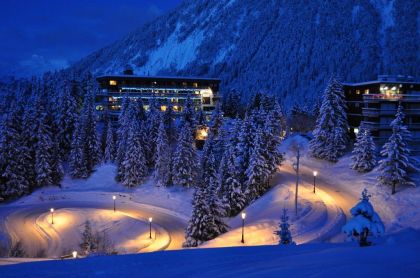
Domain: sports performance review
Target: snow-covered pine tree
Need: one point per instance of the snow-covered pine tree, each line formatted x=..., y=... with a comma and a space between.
x=168, y=119
x=188, y=115
x=257, y=173
x=205, y=223
x=330, y=134
x=110, y=149
x=284, y=232
x=184, y=168
x=90, y=138
x=230, y=189
x=162, y=173
x=365, y=221
x=88, y=241
x=395, y=166
x=44, y=153
x=200, y=221
x=216, y=206
x=134, y=163
x=77, y=162
x=244, y=147
x=66, y=118
x=152, y=124
x=364, y=152
x=14, y=155
x=122, y=135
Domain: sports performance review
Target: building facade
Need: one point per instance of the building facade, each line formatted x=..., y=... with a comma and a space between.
x=167, y=92
x=375, y=103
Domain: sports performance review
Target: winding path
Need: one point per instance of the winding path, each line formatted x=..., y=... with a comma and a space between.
x=21, y=222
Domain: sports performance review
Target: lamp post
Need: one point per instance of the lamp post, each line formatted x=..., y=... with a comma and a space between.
x=113, y=198
x=150, y=227
x=74, y=253
x=243, y=215
x=315, y=174
x=52, y=215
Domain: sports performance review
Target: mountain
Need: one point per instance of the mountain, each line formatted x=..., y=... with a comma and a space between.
x=289, y=48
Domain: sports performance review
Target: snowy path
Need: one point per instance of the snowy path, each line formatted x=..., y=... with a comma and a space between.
x=30, y=223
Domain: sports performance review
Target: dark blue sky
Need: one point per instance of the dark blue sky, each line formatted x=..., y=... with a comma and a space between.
x=37, y=35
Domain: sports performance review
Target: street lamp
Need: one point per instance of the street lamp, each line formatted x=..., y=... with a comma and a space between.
x=243, y=215
x=52, y=215
x=150, y=227
x=315, y=174
x=113, y=198
x=74, y=253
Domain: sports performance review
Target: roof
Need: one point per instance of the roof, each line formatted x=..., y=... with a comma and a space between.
x=179, y=78
x=379, y=81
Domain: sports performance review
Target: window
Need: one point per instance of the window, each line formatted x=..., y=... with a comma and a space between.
x=206, y=100
x=357, y=92
x=113, y=82
x=366, y=91
x=195, y=85
x=163, y=108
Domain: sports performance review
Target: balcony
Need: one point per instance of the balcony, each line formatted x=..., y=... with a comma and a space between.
x=391, y=97
x=376, y=126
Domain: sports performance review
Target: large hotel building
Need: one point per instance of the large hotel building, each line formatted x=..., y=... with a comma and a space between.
x=374, y=103
x=167, y=92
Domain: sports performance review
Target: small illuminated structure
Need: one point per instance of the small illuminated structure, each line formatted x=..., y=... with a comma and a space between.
x=315, y=174
x=243, y=215
x=52, y=215
x=74, y=253
x=356, y=131
x=202, y=133
x=150, y=227
x=113, y=198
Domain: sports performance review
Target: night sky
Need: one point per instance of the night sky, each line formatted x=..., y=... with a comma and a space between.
x=39, y=35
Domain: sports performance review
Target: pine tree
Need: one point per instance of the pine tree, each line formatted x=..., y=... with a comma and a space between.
x=88, y=241
x=284, y=232
x=244, y=147
x=162, y=173
x=66, y=118
x=14, y=156
x=152, y=124
x=134, y=163
x=395, y=166
x=185, y=163
x=43, y=153
x=77, y=161
x=363, y=155
x=365, y=221
x=330, y=135
x=109, y=155
x=256, y=172
x=90, y=139
x=233, y=197
x=122, y=135
x=204, y=224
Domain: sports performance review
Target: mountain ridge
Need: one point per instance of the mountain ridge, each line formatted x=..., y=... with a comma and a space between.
x=281, y=47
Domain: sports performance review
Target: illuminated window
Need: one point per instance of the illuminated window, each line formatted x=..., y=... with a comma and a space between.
x=99, y=108
x=177, y=108
x=367, y=91
x=195, y=85
x=163, y=108
x=112, y=82
x=202, y=133
x=146, y=107
x=357, y=92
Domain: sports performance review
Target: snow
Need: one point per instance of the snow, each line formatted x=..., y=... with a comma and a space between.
x=91, y=199
x=397, y=256
x=173, y=53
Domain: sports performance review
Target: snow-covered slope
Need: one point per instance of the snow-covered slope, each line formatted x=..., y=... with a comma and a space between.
x=286, y=47
x=396, y=257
